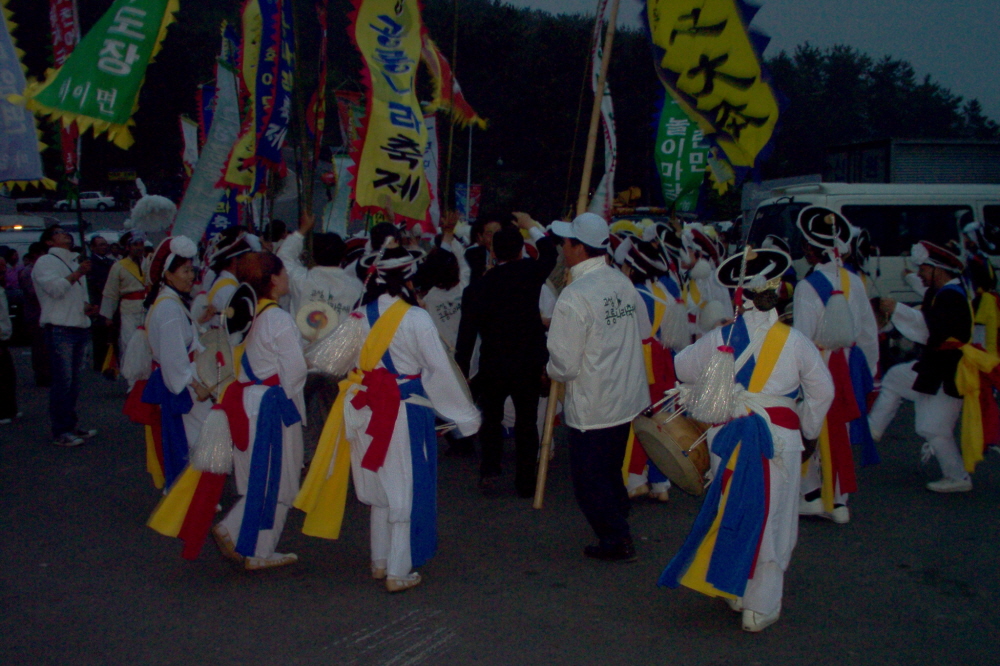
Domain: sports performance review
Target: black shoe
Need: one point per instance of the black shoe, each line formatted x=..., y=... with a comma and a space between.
x=489, y=486
x=620, y=552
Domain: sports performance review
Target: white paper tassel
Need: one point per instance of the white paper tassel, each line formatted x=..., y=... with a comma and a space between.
x=338, y=352
x=701, y=270
x=675, y=332
x=213, y=452
x=713, y=314
x=836, y=326
x=713, y=398
x=138, y=361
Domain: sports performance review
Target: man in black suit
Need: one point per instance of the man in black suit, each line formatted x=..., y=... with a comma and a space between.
x=502, y=308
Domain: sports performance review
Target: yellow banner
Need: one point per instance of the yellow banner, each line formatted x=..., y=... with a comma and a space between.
x=710, y=67
x=391, y=168
x=234, y=174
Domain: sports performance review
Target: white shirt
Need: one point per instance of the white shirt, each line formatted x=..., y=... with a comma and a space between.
x=273, y=348
x=595, y=347
x=445, y=305
x=6, y=329
x=62, y=302
x=172, y=337
x=809, y=310
x=325, y=284
x=799, y=365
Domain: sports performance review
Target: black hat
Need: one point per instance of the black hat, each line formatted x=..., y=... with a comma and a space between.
x=764, y=269
x=824, y=228
x=240, y=310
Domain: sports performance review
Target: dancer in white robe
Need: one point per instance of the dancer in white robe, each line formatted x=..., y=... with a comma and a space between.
x=273, y=374
x=797, y=371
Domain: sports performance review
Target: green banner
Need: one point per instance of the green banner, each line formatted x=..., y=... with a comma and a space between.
x=681, y=157
x=98, y=86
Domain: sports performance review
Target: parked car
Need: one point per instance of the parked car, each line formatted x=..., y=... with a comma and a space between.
x=88, y=201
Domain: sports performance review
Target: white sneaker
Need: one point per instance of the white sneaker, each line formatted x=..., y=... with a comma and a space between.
x=6, y=421
x=950, y=485
x=811, y=508
x=734, y=604
x=754, y=621
x=67, y=439
x=840, y=515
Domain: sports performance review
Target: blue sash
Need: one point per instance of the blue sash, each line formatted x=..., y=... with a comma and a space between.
x=276, y=409
x=423, y=457
x=173, y=406
x=670, y=285
x=821, y=284
x=647, y=298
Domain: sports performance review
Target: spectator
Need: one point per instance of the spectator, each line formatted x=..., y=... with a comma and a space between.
x=59, y=281
x=8, y=378
x=32, y=311
x=478, y=256
x=101, y=333
x=274, y=235
x=503, y=309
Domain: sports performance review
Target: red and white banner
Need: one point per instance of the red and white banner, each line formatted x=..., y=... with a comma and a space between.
x=65, y=35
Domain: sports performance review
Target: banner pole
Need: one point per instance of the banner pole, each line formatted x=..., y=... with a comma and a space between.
x=595, y=114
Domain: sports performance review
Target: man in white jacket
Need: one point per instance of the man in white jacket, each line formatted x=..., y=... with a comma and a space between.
x=595, y=347
x=59, y=279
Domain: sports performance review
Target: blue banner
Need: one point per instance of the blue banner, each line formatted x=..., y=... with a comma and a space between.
x=20, y=160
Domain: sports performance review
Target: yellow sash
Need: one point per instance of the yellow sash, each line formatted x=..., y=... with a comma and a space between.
x=659, y=307
x=169, y=514
x=692, y=288
x=219, y=284
x=968, y=383
x=989, y=316
x=132, y=269
x=324, y=490
x=767, y=358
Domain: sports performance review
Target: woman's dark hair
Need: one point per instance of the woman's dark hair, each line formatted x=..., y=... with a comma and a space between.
x=440, y=270
x=328, y=249
x=49, y=234
x=158, y=281
x=764, y=300
x=257, y=269
x=392, y=282
x=37, y=249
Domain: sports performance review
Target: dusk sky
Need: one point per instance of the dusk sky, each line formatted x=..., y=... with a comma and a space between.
x=956, y=42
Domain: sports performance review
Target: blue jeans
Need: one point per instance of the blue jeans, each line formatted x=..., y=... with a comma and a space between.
x=66, y=345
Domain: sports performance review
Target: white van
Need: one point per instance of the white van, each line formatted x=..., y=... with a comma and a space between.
x=897, y=216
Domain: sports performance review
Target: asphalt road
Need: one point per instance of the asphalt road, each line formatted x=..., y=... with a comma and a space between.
x=913, y=579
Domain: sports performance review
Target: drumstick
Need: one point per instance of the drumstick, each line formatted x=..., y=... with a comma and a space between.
x=543, y=454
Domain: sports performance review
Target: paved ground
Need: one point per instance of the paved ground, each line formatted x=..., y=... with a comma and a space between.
x=913, y=579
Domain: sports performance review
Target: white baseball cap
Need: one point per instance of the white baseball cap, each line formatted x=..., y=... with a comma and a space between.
x=588, y=228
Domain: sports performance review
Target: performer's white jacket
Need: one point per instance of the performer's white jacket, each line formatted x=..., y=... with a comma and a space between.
x=809, y=308
x=121, y=282
x=272, y=348
x=326, y=284
x=798, y=366
x=595, y=347
x=172, y=338
x=62, y=302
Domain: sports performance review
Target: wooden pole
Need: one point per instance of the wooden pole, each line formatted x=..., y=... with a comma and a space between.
x=543, y=453
x=595, y=115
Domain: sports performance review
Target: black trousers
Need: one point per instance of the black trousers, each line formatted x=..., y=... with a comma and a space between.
x=523, y=391
x=595, y=459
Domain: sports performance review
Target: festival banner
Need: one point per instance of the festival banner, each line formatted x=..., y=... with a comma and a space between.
x=203, y=195
x=189, y=135
x=316, y=117
x=65, y=34
x=709, y=61
x=447, y=93
x=467, y=202
x=98, y=85
x=351, y=114
x=433, y=220
x=20, y=160
x=239, y=172
x=604, y=195
x=275, y=78
x=681, y=157
x=390, y=165
x=227, y=214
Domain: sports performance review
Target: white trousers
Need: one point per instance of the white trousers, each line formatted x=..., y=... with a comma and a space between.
x=812, y=480
x=935, y=417
x=267, y=540
x=390, y=543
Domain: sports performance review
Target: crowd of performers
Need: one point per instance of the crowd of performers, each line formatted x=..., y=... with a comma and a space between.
x=781, y=371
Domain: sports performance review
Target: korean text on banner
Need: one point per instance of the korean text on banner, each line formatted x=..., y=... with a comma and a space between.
x=98, y=85
x=65, y=34
x=390, y=171
x=20, y=161
x=680, y=157
x=708, y=59
x=239, y=172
